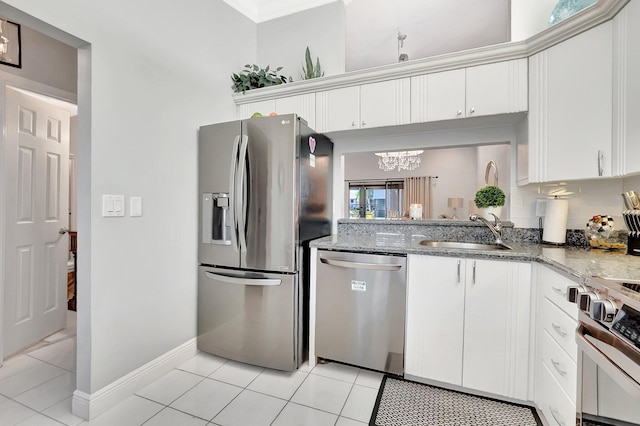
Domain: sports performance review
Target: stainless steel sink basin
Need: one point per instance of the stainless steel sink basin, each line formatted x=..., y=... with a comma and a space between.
x=465, y=246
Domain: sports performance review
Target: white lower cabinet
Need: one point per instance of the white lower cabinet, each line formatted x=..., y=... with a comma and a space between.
x=555, y=367
x=468, y=323
x=556, y=406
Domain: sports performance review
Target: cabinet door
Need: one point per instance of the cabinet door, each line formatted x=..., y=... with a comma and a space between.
x=435, y=314
x=571, y=108
x=496, y=327
x=496, y=88
x=626, y=88
x=438, y=96
x=303, y=105
x=385, y=104
x=263, y=107
x=338, y=109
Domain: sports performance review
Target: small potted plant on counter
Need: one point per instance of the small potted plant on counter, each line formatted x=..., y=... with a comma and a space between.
x=490, y=199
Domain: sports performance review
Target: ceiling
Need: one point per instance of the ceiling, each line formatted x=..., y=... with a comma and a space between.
x=265, y=10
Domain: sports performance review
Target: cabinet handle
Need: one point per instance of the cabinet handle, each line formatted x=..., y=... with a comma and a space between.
x=459, y=263
x=353, y=124
x=364, y=123
x=473, y=279
x=560, y=292
x=600, y=163
x=555, y=415
x=556, y=365
x=472, y=110
x=459, y=113
x=559, y=330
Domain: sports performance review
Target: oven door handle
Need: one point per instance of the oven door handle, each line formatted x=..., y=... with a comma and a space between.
x=631, y=386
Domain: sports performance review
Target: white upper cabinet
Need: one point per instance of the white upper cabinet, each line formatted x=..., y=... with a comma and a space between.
x=626, y=104
x=570, y=111
x=366, y=106
x=497, y=88
x=338, y=109
x=491, y=89
x=262, y=107
x=303, y=105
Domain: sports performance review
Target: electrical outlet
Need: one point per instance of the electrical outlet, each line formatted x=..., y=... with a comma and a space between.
x=541, y=207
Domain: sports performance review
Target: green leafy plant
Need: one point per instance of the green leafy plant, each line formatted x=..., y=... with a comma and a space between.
x=489, y=196
x=254, y=77
x=310, y=71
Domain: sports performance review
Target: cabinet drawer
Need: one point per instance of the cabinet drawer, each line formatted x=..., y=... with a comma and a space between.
x=563, y=368
x=560, y=326
x=553, y=402
x=554, y=287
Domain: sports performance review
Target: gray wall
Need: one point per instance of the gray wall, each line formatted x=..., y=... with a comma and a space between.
x=46, y=61
x=282, y=41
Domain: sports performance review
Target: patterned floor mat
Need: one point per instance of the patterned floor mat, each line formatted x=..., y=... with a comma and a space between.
x=404, y=403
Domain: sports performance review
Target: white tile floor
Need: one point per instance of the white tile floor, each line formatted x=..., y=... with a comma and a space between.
x=36, y=388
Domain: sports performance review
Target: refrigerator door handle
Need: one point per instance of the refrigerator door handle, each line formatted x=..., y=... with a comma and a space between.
x=360, y=265
x=232, y=193
x=241, y=208
x=244, y=281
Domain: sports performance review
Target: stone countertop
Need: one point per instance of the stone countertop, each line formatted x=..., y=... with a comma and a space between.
x=575, y=261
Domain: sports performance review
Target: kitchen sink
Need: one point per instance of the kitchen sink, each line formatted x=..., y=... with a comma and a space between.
x=465, y=246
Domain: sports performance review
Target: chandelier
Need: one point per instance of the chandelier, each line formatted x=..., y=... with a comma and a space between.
x=402, y=160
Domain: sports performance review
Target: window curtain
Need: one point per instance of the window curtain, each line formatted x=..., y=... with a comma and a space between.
x=417, y=191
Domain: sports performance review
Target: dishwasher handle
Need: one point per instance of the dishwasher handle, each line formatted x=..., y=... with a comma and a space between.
x=360, y=265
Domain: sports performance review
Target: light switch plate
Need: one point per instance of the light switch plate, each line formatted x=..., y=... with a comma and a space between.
x=541, y=208
x=112, y=205
x=135, y=206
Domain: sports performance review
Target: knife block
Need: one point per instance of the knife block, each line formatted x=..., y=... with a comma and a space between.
x=633, y=246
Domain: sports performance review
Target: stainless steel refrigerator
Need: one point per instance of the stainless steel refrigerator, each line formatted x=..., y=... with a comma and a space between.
x=265, y=192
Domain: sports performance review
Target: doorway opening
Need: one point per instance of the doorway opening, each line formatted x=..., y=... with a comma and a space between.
x=32, y=77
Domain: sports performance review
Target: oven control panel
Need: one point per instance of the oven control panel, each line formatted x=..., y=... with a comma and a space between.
x=627, y=325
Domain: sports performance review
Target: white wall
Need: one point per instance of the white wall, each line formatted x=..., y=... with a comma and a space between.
x=156, y=74
x=282, y=41
x=432, y=27
x=530, y=17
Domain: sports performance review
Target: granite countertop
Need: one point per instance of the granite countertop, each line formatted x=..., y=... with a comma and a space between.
x=575, y=261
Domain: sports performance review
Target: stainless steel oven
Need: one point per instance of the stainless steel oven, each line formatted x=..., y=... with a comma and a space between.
x=608, y=338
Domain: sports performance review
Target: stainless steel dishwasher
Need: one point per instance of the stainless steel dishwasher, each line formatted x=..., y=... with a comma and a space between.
x=360, y=309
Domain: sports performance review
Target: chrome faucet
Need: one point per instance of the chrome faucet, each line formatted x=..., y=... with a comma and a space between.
x=495, y=227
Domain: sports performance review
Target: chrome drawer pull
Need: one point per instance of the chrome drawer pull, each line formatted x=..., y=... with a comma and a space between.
x=556, y=365
x=560, y=292
x=555, y=415
x=559, y=330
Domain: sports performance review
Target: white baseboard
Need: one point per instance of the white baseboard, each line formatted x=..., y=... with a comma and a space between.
x=90, y=406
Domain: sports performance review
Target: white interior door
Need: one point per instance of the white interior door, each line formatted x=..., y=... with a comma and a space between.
x=37, y=208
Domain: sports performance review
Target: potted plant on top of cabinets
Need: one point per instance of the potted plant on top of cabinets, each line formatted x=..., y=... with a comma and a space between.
x=310, y=71
x=254, y=77
x=490, y=199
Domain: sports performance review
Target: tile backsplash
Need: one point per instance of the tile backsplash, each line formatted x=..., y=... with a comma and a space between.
x=586, y=198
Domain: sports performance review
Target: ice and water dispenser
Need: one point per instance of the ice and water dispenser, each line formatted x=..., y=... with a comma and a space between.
x=216, y=225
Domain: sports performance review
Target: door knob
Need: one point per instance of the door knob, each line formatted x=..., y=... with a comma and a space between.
x=63, y=230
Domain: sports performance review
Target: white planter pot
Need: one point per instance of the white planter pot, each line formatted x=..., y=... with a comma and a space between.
x=486, y=212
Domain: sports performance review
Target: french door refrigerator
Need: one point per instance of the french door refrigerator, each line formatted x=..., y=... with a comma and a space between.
x=265, y=192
